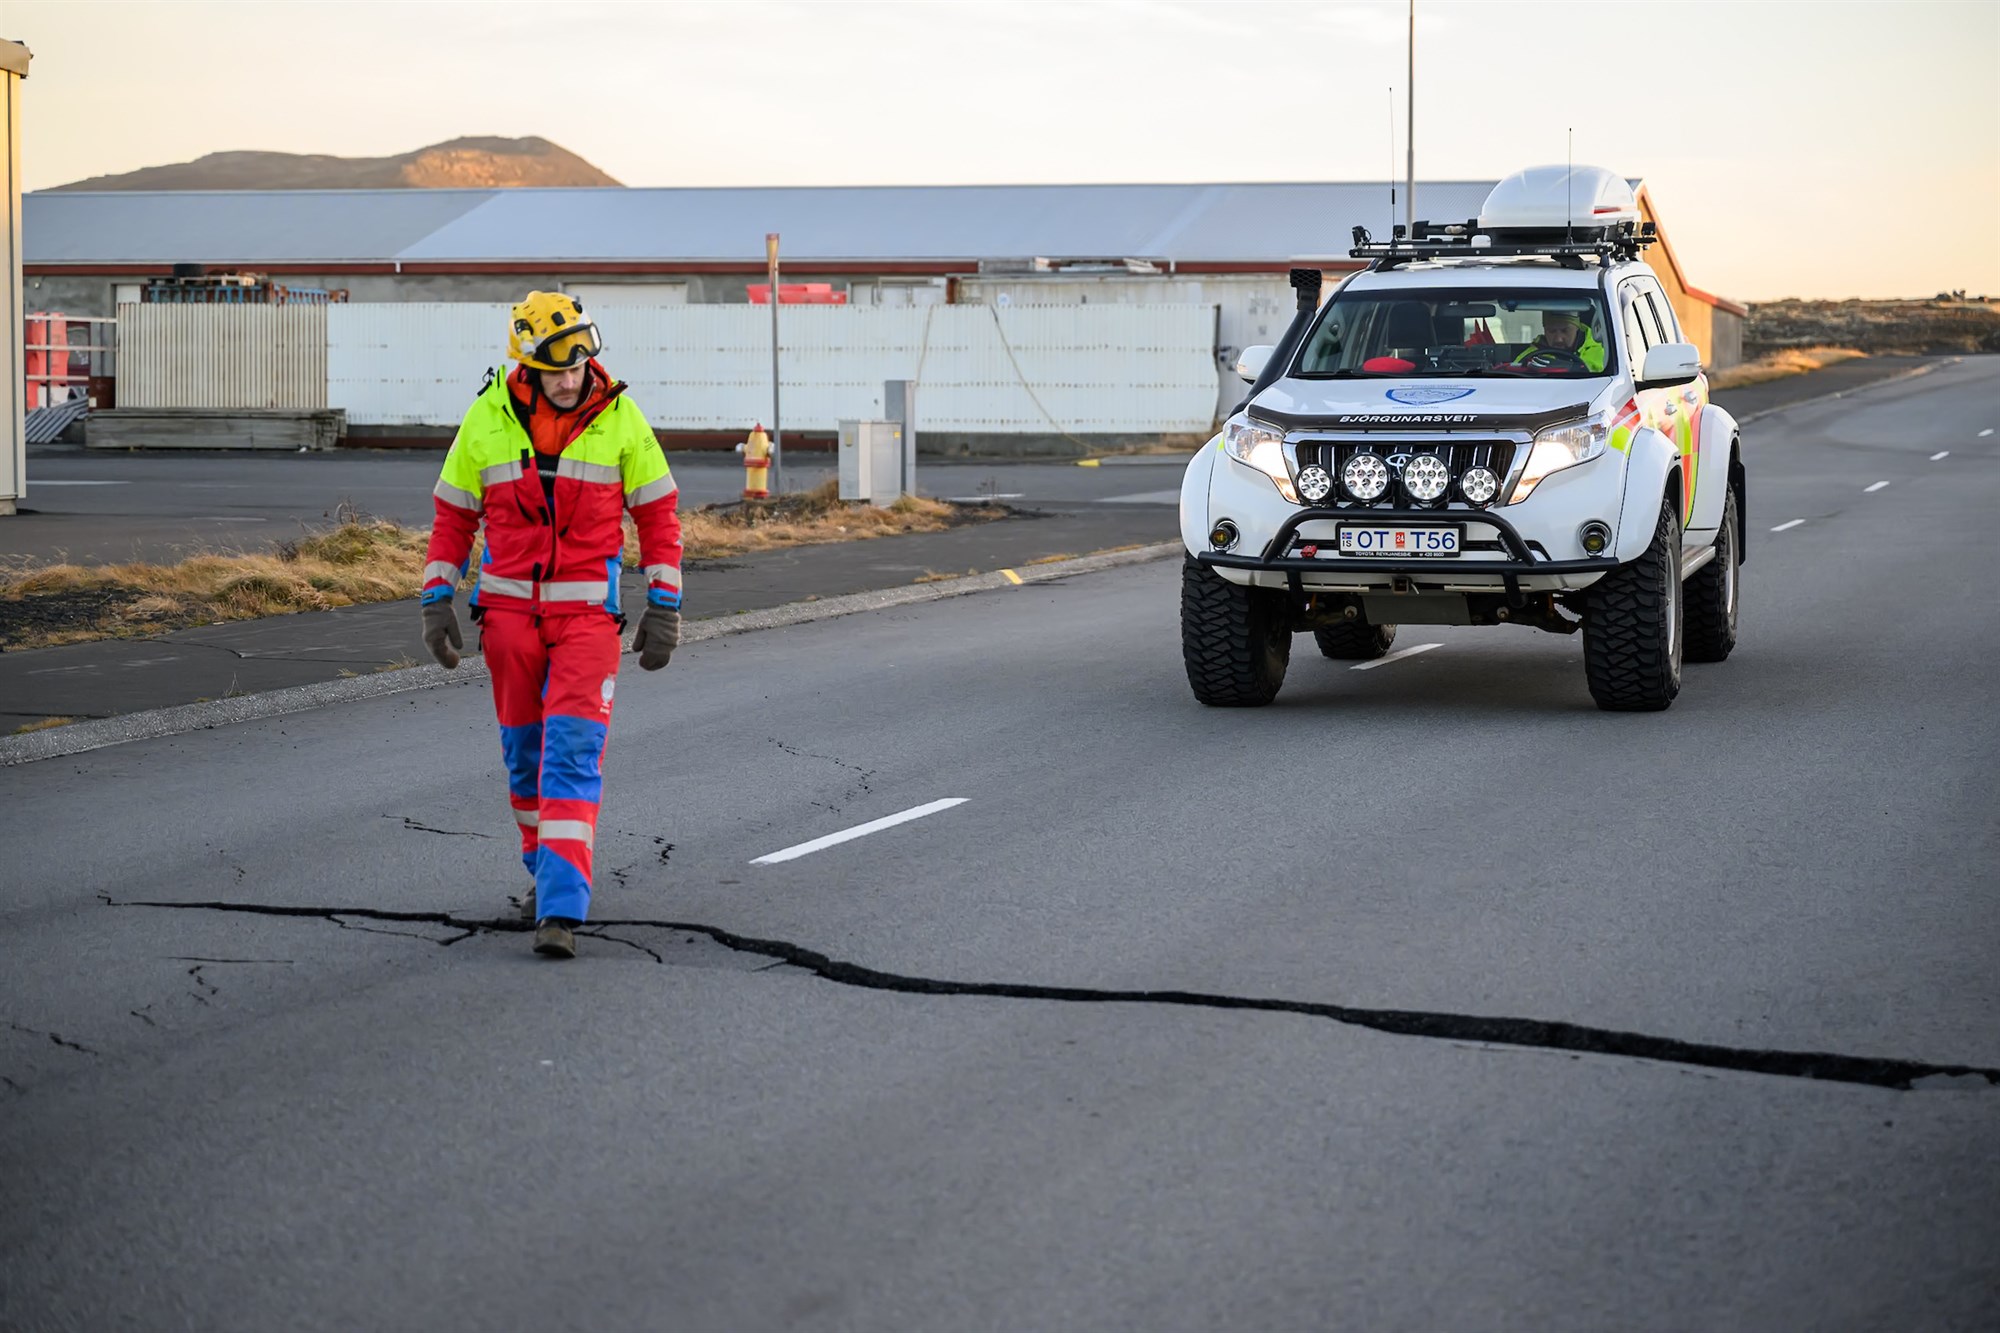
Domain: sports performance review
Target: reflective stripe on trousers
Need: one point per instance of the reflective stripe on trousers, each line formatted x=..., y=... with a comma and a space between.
x=553, y=680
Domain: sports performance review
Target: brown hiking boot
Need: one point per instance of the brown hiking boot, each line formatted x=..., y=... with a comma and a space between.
x=553, y=938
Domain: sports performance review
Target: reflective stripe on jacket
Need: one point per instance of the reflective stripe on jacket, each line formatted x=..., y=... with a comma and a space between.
x=560, y=559
x=1589, y=351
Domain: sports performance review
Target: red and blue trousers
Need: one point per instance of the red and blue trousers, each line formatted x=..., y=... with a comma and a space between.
x=552, y=684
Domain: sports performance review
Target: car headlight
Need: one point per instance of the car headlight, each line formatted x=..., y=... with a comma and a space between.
x=1559, y=447
x=1260, y=448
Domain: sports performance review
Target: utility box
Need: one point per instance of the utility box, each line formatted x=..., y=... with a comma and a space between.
x=871, y=461
x=13, y=366
x=899, y=404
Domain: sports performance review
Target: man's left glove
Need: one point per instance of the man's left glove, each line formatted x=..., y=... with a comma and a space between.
x=659, y=634
x=441, y=634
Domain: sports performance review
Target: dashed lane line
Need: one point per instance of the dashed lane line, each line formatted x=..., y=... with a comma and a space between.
x=1396, y=656
x=1787, y=527
x=1876, y=487
x=793, y=853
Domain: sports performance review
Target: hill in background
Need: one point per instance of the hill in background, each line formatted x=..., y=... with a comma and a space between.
x=1943, y=324
x=473, y=163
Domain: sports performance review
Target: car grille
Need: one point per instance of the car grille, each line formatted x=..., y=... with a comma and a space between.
x=1458, y=456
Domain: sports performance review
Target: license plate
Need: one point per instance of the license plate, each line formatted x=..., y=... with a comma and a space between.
x=1363, y=539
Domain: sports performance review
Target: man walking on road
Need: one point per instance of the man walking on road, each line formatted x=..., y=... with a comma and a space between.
x=550, y=456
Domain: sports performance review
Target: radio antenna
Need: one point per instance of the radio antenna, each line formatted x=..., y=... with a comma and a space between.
x=1569, y=187
x=1410, y=129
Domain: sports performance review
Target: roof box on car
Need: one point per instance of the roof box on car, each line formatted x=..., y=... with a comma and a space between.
x=1545, y=204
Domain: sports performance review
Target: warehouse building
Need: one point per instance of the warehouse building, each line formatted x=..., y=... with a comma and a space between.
x=1227, y=246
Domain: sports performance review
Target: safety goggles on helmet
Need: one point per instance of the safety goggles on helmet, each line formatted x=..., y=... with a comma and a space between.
x=550, y=332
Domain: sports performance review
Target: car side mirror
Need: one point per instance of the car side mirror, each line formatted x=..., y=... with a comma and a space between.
x=1252, y=362
x=1669, y=364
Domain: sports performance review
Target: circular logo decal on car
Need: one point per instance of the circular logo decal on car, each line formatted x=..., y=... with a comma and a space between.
x=1423, y=396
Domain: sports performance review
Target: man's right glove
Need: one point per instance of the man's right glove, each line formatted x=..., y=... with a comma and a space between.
x=659, y=634
x=440, y=626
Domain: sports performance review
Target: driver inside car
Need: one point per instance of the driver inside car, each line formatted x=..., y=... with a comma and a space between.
x=1564, y=339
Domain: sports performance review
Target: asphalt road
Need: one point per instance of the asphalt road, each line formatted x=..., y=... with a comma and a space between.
x=101, y=508
x=1562, y=992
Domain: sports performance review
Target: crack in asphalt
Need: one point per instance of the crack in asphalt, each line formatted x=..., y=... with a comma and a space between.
x=861, y=788
x=1575, y=1038
x=55, y=1037
x=415, y=827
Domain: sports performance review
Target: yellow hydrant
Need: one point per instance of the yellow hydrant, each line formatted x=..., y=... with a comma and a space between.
x=757, y=465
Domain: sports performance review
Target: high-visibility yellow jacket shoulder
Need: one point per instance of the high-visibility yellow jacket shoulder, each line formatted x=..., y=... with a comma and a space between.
x=553, y=551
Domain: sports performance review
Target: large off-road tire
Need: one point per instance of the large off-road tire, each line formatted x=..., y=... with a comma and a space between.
x=1714, y=592
x=1236, y=642
x=1354, y=642
x=1632, y=627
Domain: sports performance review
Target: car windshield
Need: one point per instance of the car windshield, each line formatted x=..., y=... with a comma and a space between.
x=1515, y=331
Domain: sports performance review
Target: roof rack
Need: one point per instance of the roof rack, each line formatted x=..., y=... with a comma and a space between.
x=1465, y=240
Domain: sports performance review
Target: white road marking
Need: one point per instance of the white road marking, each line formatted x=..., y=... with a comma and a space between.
x=1787, y=527
x=43, y=481
x=1143, y=498
x=1942, y=453
x=1876, y=487
x=1399, y=654
x=859, y=831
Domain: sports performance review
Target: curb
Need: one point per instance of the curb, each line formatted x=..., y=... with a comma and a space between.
x=81, y=737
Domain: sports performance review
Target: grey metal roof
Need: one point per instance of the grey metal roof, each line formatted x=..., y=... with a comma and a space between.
x=1186, y=223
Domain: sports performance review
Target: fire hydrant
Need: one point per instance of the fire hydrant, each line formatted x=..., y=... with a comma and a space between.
x=757, y=465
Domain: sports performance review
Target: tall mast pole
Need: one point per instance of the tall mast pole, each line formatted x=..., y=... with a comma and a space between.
x=1410, y=131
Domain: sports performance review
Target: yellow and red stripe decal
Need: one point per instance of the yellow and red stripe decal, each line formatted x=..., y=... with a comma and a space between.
x=1624, y=424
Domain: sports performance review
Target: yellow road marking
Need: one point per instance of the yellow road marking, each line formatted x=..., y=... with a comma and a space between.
x=1012, y=577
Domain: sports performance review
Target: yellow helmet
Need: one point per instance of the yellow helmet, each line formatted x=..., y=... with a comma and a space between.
x=551, y=332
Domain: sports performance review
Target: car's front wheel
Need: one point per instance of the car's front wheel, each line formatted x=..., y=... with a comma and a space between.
x=1236, y=642
x=1713, y=592
x=1632, y=625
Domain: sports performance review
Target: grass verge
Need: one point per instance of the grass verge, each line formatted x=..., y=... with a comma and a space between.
x=365, y=560
x=43, y=725
x=1779, y=365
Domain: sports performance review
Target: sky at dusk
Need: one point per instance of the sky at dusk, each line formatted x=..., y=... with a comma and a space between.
x=1808, y=149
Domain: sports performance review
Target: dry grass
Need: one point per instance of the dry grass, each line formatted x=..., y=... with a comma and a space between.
x=1778, y=365
x=811, y=518
x=359, y=561
x=366, y=560
x=42, y=725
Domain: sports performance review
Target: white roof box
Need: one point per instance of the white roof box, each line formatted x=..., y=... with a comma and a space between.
x=1548, y=203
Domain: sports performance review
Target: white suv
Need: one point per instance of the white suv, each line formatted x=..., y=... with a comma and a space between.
x=1497, y=423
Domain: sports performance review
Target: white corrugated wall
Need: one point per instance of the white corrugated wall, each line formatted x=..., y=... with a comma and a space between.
x=1020, y=370
x=222, y=356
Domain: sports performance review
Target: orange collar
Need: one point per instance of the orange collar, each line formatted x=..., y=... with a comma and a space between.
x=550, y=428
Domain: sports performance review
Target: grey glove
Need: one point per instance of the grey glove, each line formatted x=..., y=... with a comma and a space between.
x=441, y=624
x=659, y=634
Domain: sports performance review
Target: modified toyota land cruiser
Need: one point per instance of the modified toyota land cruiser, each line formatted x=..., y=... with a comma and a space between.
x=1497, y=422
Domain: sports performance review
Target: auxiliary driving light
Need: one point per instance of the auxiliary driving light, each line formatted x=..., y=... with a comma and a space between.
x=1426, y=477
x=1223, y=535
x=1365, y=477
x=1595, y=536
x=1315, y=484
x=1479, y=485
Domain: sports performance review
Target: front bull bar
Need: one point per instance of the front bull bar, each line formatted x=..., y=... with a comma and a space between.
x=1521, y=560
